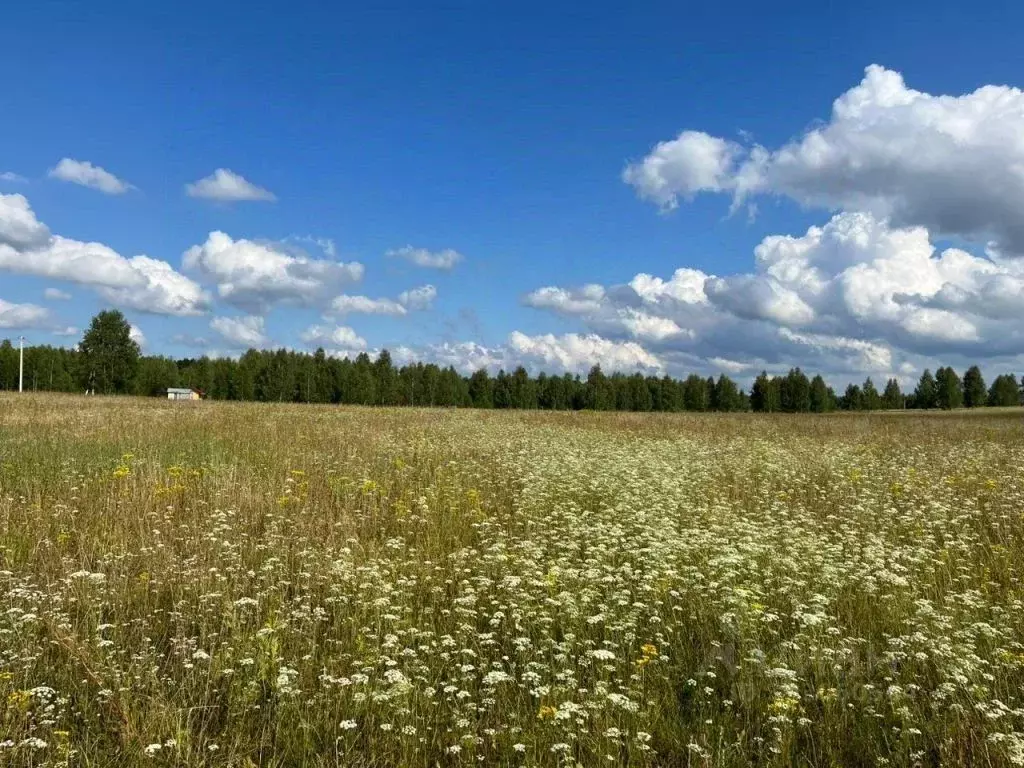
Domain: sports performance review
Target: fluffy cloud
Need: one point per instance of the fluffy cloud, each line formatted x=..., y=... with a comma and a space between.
x=339, y=339
x=644, y=326
x=684, y=288
x=690, y=163
x=421, y=257
x=857, y=295
x=19, y=227
x=86, y=174
x=325, y=244
x=137, y=336
x=581, y=301
x=23, y=315
x=751, y=297
x=254, y=275
x=418, y=298
x=408, y=301
x=576, y=353
x=12, y=177
x=566, y=353
x=55, y=294
x=855, y=354
x=615, y=311
x=953, y=164
x=346, y=304
x=242, y=332
x=149, y=285
x=867, y=278
x=464, y=356
x=225, y=185
x=153, y=285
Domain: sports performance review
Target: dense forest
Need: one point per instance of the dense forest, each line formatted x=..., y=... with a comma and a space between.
x=108, y=361
x=286, y=376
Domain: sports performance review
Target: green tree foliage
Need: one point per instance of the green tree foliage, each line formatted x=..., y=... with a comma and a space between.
x=323, y=381
x=503, y=389
x=8, y=365
x=949, y=389
x=286, y=376
x=795, y=392
x=363, y=383
x=109, y=357
x=927, y=393
x=669, y=395
x=600, y=396
x=643, y=398
x=153, y=376
x=892, y=397
x=764, y=395
x=820, y=397
x=386, y=377
x=524, y=391
x=1004, y=391
x=975, y=393
x=870, y=399
x=726, y=395
x=481, y=389
x=47, y=368
x=852, y=399
x=696, y=393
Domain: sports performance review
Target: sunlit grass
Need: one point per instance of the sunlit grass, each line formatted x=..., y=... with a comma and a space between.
x=244, y=584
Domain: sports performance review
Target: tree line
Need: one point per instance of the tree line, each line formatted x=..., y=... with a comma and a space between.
x=108, y=361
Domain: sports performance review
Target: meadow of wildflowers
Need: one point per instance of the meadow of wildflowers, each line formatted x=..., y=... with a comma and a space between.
x=251, y=585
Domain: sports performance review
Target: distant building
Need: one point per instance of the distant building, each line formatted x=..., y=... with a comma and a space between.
x=176, y=393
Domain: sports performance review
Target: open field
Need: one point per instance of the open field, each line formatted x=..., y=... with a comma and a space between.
x=242, y=584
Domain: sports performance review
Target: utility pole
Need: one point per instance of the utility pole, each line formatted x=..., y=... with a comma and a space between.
x=21, y=363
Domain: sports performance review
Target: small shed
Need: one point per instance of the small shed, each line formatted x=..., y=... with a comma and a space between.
x=179, y=393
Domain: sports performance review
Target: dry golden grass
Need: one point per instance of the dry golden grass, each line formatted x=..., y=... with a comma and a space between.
x=243, y=584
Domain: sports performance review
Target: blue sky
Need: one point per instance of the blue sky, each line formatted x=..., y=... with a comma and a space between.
x=503, y=133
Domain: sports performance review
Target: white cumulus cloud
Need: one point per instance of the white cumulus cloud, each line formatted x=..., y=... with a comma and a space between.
x=757, y=299
x=421, y=257
x=576, y=353
x=418, y=298
x=855, y=354
x=225, y=185
x=685, y=287
x=19, y=227
x=951, y=163
x=86, y=174
x=137, y=336
x=855, y=295
x=339, y=339
x=23, y=316
x=582, y=301
x=463, y=356
x=644, y=326
x=255, y=275
x=565, y=353
x=244, y=332
x=414, y=299
x=621, y=310
x=142, y=283
x=681, y=167
x=347, y=304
